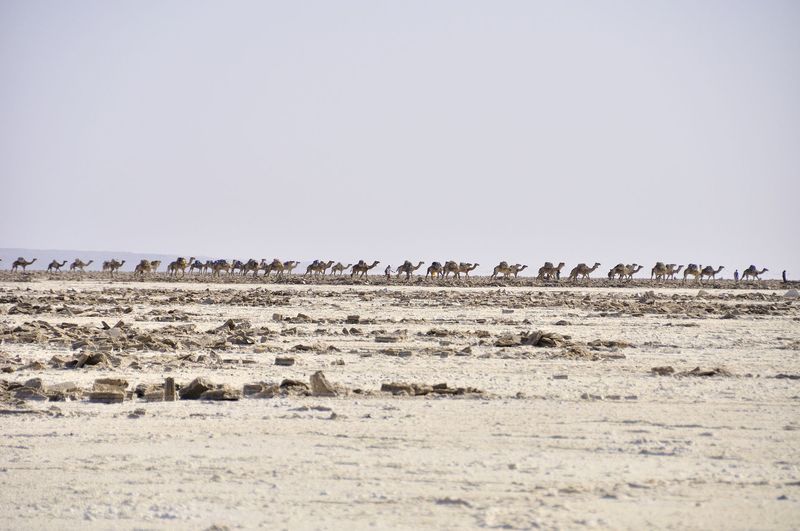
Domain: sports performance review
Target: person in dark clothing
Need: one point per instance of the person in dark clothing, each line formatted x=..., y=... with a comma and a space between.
x=784, y=276
x=736, y=275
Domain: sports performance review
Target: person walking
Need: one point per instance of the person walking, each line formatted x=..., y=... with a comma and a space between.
x=388, y=272
x=736, y=275
x=784, y=276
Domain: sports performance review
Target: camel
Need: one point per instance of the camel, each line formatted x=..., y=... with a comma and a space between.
x=236, y=265
x=172, y=267
x=658, y=271
x=435, y=269
x=451, y=266
x=516, y=268
x=339, y=268
x=54, y=266
x=582, y=270
x=21, y=262
x=672, y=271
x=197, y=264
x=312, y=267
x=625, y=271
x=632, y=270
x=753, y=271
x=180, y=264
x=325, y=266
x=548, y=271
x=79, y=264
x=708, y=271
x=502, y=267
x=457, y=268
x=251, y=265
x=146, y=266
x=116, y=266
x=208, y=266
x=318, y=267
x=694, y=270
x=143, y=267
x=112, y=266
x=661, y=271
x=276, y=265
x=506, y=269
x=220, y=265
x=362, y=269
x=466, y=268
x=618, y=269
x=289, y=266
x=268, y=267
x=408, y=268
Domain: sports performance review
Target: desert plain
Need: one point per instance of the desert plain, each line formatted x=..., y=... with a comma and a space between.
x=457, y=405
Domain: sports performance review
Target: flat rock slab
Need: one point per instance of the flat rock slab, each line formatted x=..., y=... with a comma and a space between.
x=29, y=393
x=222, y=393
x=156, y=395
x=107, y=397
x=112, y=382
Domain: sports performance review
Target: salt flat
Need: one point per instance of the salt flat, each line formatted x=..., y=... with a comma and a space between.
x=577, y=434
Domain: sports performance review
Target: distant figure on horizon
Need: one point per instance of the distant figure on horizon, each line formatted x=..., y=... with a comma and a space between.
x=388, y=272
x=736, y=275
x=784, y=276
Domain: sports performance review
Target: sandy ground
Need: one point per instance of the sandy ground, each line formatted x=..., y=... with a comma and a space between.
x=580, y=434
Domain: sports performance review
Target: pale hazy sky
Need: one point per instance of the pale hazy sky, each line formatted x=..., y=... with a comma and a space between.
x=477, y=131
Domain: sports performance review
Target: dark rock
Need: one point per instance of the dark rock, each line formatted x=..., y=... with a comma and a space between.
x=97, y=358
x=35, y=383
x=196, y=387
x=663, y=371
x=397, y=388
x=697, y=371
x=320, y=386
x=293, y=384
x=111, y=382
x=154, y=395
x=252, y=389
x=107, y=397
x=221, y=393
x=30, y=393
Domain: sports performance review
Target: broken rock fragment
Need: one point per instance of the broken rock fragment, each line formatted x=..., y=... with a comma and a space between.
x=320, y=386
x=221, y=393
x=195, y=389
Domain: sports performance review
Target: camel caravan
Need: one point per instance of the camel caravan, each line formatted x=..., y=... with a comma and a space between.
x=549, y=272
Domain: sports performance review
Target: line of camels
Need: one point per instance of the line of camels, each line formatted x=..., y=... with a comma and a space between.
x=549, y=271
